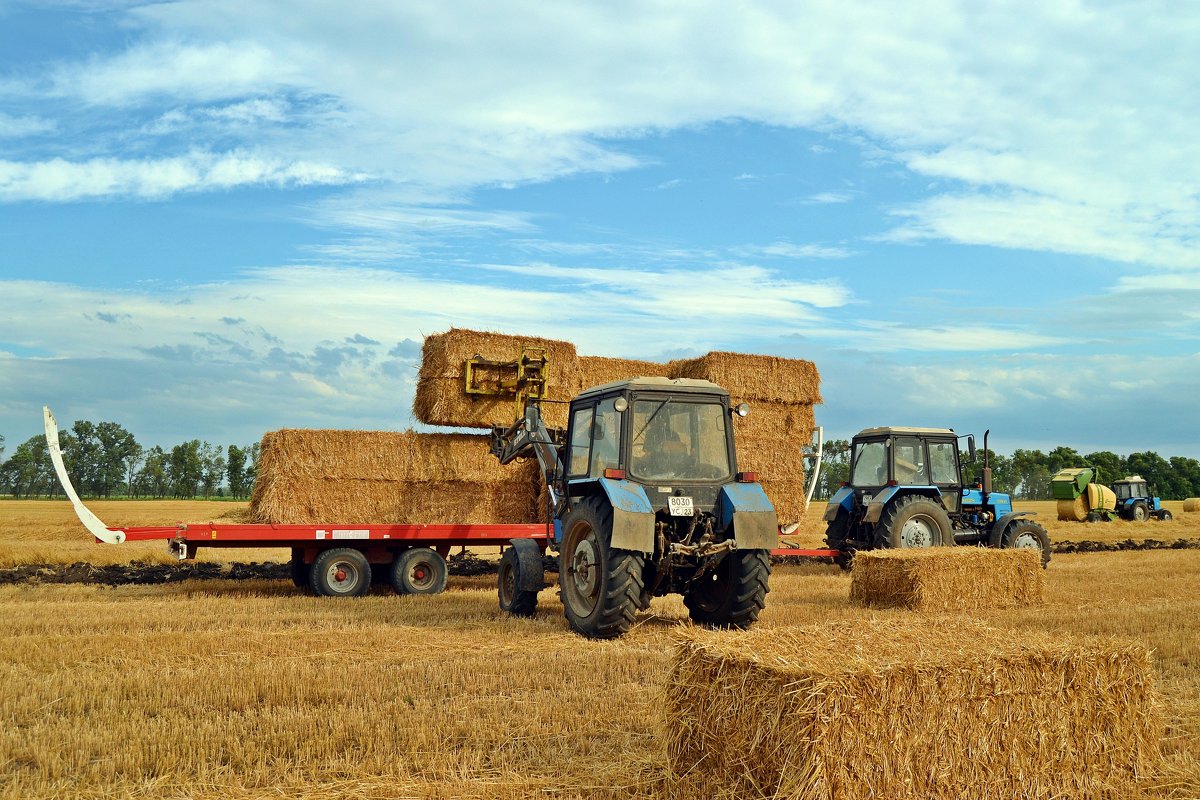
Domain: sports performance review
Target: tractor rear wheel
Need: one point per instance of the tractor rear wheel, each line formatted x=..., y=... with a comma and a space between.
x=1138, y=512
x=1028, y=534
x=341, y=572
x=914, y=521
x=733, y=594
x=419, y=570
x=601, y=586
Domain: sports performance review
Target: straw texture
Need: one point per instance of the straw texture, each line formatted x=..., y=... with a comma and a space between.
x=948, y=578
x=925, y=708
x=1191, y=504
x=309, y=476
x=441, y=399
x=1073, y=510
x=595, y=370
x=754, y=377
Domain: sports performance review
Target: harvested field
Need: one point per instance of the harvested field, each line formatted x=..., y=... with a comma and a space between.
x=947, y=578
x=244, y=689
x=920, y=708
x=440, y=399
x=309, y=476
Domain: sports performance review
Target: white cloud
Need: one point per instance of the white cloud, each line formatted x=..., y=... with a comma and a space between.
x=61, y=180
x=805, y=252
x=12, y=127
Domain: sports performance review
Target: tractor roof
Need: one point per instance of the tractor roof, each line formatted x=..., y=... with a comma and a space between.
x=901, y=431
x=688, y=385
x=1131, y=479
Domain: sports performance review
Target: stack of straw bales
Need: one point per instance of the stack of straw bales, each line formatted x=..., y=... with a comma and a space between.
x=948, y=578
x=307, y=476
x=1191, y=504
x=597, y=370
x=781, y=393
x=441, y=399
x=908, y=708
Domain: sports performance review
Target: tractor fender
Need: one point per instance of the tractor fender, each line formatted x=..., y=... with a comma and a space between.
x=632, y=515
x=843, y=499
x=531, y=576
x=885, y=496
x=747, y=508
x=1001, y=525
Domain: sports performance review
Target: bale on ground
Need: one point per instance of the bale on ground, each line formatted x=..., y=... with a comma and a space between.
x=1191, y=504
x=754, y=377
x=441, y=398
x=948, y=578
x=906, y=709
x=597, y=370
x=1073, y=510
x=309, y=476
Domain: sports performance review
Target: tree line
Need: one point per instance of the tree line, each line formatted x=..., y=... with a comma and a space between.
x=105, y=460
x=1026, y=474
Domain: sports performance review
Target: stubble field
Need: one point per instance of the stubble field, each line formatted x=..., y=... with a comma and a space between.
x=243, y=689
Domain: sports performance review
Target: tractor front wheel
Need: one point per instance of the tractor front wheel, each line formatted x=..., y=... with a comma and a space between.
x=513, y=599
x=733, y=594
x=1165, y=516
x=836, y=535
x=1028, y=534
x=601, y=586
x=914, y=521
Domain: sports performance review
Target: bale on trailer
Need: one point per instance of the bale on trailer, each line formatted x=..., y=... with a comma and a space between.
x=441, y=397
x=754, y=377
x=907, y=709
x=309, y=476
x=1191, y=504
x=947, y=578
x=597, y=370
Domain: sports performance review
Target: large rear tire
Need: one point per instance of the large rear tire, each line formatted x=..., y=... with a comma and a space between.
x=914, y=521
x=1138, y=513
x=341, y=572
x=732, y=595
x=1028, y=534
x=601, y=586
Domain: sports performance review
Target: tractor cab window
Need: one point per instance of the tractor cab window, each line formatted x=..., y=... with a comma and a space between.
x=606, y=438
x=911, y=467
x=1123, y=491
x=870, y=464
x=676, y=440
x=581, y=441
x=943, y=462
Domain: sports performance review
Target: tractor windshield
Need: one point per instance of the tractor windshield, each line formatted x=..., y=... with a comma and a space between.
x=870, y=464
x=676, y=440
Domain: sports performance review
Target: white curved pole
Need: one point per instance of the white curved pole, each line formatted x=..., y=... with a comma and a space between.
x=89, y=520
x=812, y=485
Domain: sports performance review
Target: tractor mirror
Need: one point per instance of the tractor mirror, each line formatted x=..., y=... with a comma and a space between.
x=971, y=448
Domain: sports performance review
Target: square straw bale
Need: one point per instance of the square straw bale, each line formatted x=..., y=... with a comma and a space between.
x=597, y=370
x=311, y=476
x=753, y=377
x=907, y=709
x=948, y=578
x=787, y=495
x=441, y=398
x=791, y=421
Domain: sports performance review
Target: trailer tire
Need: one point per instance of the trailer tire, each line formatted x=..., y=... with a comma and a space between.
x=509, y=578
x=601, y=586
x=914, y=521
x=301, y=572
x=732, y=595
x=341, y=572
x=419, y=570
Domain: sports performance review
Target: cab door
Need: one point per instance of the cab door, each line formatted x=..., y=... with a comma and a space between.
x=945, y=473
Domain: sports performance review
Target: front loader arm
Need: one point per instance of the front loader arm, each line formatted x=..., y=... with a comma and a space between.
x=526, y=435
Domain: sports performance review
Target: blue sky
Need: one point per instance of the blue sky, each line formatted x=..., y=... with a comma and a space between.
x=219, y=218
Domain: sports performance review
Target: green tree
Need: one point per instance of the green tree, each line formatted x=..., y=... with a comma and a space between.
x=28, y=472
x=235, y=471
x=185, y=469
x=1111, y=466
x=1154, y=468
x=212, y=469
x=1031, y=474
x=152, y=479
x=1187, y=472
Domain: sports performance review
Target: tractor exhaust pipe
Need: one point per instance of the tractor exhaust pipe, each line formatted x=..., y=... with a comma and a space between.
x=987, y=469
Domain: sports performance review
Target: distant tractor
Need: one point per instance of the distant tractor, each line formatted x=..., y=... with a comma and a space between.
x=906, y=490
x=1082, y=498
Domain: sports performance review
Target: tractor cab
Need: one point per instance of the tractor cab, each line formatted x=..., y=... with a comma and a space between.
x=901, y=459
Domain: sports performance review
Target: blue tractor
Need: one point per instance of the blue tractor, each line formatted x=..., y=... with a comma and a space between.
x=1136, y=502
x=646, y=499
x=906, y=490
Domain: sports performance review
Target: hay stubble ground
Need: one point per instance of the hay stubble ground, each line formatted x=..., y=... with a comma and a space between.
x=246, y=689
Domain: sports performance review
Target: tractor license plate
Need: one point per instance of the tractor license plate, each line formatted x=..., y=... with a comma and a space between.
x=680, y=506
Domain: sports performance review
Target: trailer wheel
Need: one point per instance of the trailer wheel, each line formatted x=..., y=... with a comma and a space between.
x=514, y=600
x=914, y=521
x=1138, y=512
x=601, y=586
x=1028, y=534
x=732, y=595
x=301, y=572
x=419, y=571
x=341, y=572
